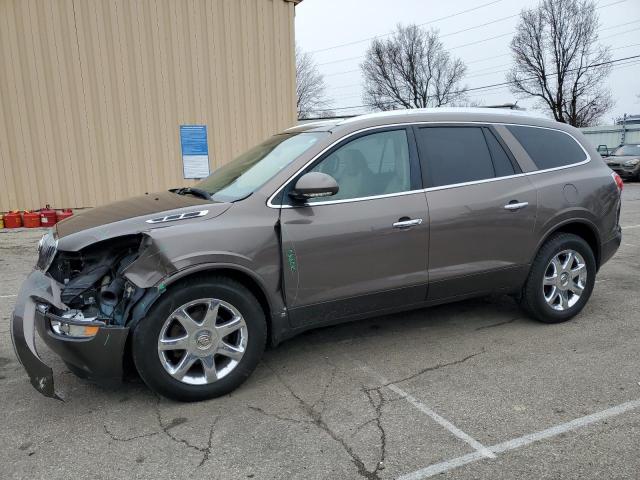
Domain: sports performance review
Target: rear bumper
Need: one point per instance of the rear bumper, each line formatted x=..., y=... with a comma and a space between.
x=98, y=357
x=610, y=247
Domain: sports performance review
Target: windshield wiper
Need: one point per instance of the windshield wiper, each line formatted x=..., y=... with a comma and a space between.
x=197, y=192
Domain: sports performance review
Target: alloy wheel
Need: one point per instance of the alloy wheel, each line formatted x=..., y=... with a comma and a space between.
x=202, y=341
x=565, y=279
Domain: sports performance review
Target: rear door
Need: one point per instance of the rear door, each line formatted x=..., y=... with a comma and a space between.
x=482, y=210
x=364, y=249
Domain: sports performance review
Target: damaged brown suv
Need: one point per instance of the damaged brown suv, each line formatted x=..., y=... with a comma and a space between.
x=321, y=224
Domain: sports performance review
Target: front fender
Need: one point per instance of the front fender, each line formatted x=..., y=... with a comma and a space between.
x=247, y=247
x=278, y=314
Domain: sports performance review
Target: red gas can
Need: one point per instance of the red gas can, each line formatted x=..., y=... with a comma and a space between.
x=12, y=220
x=62, y=214
x=48, y=217
x=31, y=219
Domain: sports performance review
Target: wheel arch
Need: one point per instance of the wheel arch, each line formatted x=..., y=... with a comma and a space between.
x=237, y=273
x=583, y=228
x=273, y=308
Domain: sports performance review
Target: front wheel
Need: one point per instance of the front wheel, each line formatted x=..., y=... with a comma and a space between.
x=561, y=279
x=201, y=340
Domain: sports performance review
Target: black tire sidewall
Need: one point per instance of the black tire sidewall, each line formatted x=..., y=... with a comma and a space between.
x=145, y=338
x=535, y=302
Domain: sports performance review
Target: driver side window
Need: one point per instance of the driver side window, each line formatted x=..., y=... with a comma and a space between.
x=375, y=164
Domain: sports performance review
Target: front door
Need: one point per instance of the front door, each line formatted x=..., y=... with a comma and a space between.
x=482, y=211
x=364, y=249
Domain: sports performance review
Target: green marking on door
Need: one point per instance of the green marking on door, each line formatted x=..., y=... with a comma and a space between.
x=291, y=258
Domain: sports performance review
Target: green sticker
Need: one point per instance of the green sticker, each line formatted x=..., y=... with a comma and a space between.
x=291, y=258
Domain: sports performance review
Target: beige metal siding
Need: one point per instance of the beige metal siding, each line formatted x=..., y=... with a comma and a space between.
x=92, y=92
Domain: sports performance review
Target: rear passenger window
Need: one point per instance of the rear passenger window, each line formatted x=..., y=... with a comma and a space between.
x=454, y=155
x=548, y=148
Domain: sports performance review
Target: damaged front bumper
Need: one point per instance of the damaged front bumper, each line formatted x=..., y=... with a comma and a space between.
x=98, y=357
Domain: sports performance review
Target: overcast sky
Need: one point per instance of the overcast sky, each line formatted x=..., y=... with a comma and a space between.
x=348, y=26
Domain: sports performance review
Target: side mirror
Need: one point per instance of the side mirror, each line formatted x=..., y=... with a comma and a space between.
x=314, y=185
x=603, y=150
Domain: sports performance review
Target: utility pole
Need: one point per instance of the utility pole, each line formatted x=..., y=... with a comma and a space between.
x=624, y=128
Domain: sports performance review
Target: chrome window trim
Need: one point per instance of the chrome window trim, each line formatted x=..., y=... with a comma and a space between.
x=349, y=200
x=270, y=203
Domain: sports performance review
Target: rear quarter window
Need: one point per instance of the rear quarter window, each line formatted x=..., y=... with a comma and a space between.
x=548, y=148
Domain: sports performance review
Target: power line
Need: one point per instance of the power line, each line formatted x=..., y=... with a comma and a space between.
x=511, y=33
x=466, y=76
x=482, y=40
x=620, y=33
x=491, y=91
x=507, y=64
x=480, y=25
x=488, y=58
x=500, y=89
x=488, y=73
x=476, y=73
x=355, y=42
x=339, y=73
x=484, y=87
x=489, y=68
x=620, y=25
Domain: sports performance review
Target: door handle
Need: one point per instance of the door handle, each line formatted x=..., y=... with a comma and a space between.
x=407, y=223
x=513, y=205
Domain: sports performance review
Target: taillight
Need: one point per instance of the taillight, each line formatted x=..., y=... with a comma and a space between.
x=618, y=180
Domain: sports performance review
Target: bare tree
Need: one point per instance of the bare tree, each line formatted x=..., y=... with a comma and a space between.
x=557, y=59
x=310, y=86
x=411, y=69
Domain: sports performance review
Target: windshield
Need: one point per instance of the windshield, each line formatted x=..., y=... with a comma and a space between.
x=252, y=169
x=626, y=150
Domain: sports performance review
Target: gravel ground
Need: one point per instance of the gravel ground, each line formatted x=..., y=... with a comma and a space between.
x=444, y=388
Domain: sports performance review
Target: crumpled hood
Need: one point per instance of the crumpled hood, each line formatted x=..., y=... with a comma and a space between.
x=130, y=216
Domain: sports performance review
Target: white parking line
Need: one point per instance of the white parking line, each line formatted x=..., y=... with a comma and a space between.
x=8, y=296
x=630, y=227
x=523, y=441
x=481, y=450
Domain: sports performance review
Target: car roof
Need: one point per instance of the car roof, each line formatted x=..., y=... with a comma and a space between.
x=449, y=114
x=314, y=126
x=440, y=114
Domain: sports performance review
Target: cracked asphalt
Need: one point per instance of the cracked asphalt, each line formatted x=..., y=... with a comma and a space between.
x=317, y=406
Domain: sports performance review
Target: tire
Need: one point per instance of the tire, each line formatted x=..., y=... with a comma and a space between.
x=537, y=294
x=155, y=366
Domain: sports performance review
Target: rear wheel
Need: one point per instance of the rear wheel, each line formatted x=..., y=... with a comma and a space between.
x=201, y=340
x=561, y=279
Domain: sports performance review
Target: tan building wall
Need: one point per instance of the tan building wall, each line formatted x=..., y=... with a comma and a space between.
x=92, y=92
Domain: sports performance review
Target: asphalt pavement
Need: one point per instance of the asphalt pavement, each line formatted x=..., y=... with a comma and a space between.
x=467, y=390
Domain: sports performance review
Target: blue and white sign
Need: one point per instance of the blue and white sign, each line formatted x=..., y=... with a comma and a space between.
x=195, y=151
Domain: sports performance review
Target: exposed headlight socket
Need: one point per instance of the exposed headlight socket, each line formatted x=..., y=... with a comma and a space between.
x=75, y=329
